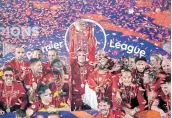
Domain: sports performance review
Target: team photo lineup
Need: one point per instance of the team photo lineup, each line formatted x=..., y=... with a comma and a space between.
x=116, y=63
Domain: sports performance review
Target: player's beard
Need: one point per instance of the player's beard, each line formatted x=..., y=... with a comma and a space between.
x=166, y=92
x=20, y=58
x=57, y=72
x=104, y=112
x=140, y=70
x=101, y=67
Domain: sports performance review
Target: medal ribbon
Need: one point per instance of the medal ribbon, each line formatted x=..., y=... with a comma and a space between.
x=8, y=98
x=32, y=80
x=58, y=79
x=19, y=65
x=82, y=74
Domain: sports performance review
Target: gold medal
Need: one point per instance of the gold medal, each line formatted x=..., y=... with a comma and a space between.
x=82, y=85
x=8, y=110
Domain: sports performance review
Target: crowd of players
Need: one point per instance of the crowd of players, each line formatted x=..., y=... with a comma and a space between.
x=128, y=85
